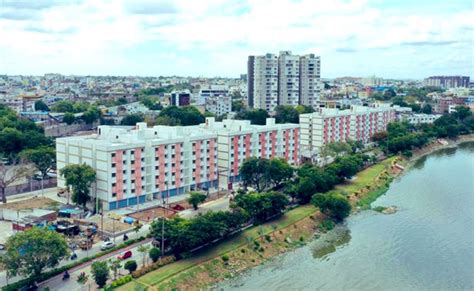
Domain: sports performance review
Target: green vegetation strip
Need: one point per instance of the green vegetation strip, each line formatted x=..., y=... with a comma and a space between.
x=223, y=247
x=364, y=178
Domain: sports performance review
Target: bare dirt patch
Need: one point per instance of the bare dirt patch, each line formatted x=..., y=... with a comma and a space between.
x=152, y=213
x=35, y=202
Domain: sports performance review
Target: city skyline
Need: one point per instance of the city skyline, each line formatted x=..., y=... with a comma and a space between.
x=390, y=39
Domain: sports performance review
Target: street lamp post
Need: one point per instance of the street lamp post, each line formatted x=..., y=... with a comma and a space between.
x=162, y=236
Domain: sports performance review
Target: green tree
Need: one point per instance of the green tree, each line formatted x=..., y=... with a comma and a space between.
x=254, y=172
x=100, y=273
x=29, y=252
x=256, y=116
x=237, y=106
x=131, y=266
x=41, y=106
x=332, y=204
x=69, y=118
x=80, y=179
x=43, y=157
x=132, y=119
x=427, y=109
x=286, y=114
x=279, y=171
x=196, y=198
x=91, y=115
x=155, y=254
x=262, y=206
x=144, y=250
x=115, y=265
x=63, y=106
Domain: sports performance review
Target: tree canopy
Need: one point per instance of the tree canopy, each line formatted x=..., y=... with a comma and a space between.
x=44, y=158
x=332, y=204
x=29, y=252
x=256, y=116
x=263, y=173
x=187, y=115
x=80, y=179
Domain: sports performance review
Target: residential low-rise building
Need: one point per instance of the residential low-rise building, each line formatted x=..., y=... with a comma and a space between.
x=219, y=105
x=138, y=164
x=419, y=118
x=359, y=123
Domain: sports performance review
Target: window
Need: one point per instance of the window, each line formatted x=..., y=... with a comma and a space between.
x=114, y=194
x=132, y=152
x=113, y=155
x=113, y=165
x=133, y=190
x=113, y=175
x=133, y=172
x=113, y=184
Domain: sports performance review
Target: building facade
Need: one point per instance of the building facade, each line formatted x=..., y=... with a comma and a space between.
x=310, y=80
x=359, y=123
x=286, y=79
x=264, y=82
x=447, y=81
x=138, y=164
x=219, y=105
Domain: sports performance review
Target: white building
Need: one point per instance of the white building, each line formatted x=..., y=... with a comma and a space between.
x=419, y=118
x=219, y=105
x=288, y=79
x=138, y=164
x=211, y=91
x=359, y=123
x=310, y=80
x=263, y=82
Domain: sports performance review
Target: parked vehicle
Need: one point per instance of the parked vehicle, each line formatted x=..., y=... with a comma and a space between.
x=107, y=245
x=126, y=255
x=85, y=245
x=66, y=275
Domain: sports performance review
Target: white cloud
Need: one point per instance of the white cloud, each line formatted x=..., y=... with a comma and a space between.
x=214, y=37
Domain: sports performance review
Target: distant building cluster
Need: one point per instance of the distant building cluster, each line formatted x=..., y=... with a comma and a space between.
x=447, y=82
x=285, y=79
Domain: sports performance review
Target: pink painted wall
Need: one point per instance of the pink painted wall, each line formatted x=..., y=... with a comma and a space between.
x=248, y=145
x=138, y=171
x=273, y=137
x=212, y=165
x=119, y=174
x=197, y=172
x=235, y=168
x=177, y=159
x=263, y=144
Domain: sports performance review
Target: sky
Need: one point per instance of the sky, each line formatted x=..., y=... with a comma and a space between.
x=386, y=38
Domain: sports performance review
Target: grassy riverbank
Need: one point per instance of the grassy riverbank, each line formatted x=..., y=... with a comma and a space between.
x=257, y=244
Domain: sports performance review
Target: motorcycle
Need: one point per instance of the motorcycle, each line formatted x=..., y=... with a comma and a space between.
x=73, y=256
x=125, y=237
x=66, y=275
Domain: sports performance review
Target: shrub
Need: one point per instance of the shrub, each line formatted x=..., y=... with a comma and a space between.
x=301, y=238
x=154, y=266
x=242, y=251
x=155, y=254
x=121, y=281
x=268, y=238
x=131, y=266
x=225, y=258
x=326, y=225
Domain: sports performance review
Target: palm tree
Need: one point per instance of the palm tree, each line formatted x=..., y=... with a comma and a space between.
x=144, y=249
x=115, y=265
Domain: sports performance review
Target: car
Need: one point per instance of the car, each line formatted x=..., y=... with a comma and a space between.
x=107, y=245
x=2, y=247
x=126, y=255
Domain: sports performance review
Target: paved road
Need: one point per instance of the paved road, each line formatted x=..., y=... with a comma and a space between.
x=57, y=283
x=216, y=205
x=81, y=254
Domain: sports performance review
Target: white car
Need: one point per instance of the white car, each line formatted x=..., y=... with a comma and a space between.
x=107, y=245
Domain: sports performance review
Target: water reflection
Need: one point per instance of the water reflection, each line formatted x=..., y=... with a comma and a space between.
x=330, y=242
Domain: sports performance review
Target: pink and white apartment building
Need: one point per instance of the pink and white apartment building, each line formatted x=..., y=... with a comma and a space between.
x=138, y=164
x=359, y=123
x=238, y=140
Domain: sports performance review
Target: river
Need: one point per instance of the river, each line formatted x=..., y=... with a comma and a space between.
x=427, y=244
